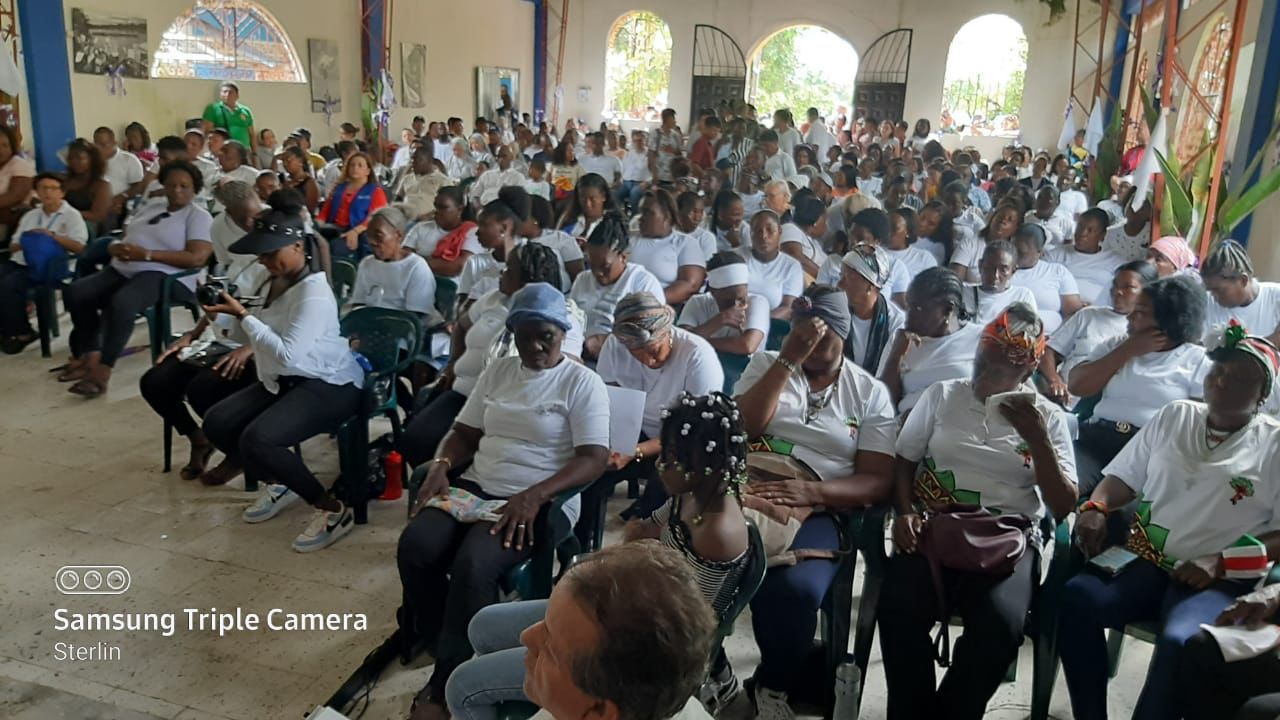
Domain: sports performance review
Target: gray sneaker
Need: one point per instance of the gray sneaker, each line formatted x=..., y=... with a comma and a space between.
x=272, y=500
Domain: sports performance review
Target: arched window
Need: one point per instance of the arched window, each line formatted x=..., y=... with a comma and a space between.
x=800, y=67
x=1196, y=127
x=227, y=40
x=637, y=66
x=986, y=68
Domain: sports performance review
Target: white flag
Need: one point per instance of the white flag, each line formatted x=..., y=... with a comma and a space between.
x=1094, y=130
x=1068, y=130
x=1149, y=166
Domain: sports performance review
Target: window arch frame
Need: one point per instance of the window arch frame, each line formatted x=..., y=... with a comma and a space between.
x=944, y=105
x=661, y=27
x=1210, y=77
x=178, y=38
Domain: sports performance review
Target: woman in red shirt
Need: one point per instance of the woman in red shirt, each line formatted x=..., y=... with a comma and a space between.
x=346, y=212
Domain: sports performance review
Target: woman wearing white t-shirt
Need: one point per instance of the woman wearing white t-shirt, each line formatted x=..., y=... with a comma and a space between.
x=727, y=213
x=611, y=277
x=1077, y=338
x=536, y=425
x=1057, y=296
x=673, y=257
x=775, y=276
x=498, y=233
x=394, y=276
x=966, y=258
x=646, y=352
x=449, y=238
x=989, y=440
x=995, y=292
x=1156, y=363
x=731, y=319
x=1235, y=293
x=940, y=236
x=810, y=402
x=308, y=382
x=1089, y=263
x=1207, y=476
x=937, y=342
x=903, y=245
x=478, y=338
x=802, y=237
x=874, y=321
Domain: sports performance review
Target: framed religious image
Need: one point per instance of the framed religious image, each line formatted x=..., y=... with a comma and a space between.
x=497, y=92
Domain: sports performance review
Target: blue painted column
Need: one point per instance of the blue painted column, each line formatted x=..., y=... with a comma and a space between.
x=1116, y=86
x=374, y=13
x=539, y=61
x=1259, y=111
x=43, y=32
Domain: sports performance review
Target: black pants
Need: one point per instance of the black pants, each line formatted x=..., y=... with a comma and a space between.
x=596, y=497
x=13, y=299
x=994, y=611
x=449, y=571
x=338, y=249
x=1100, y=441
x=170, y=386
x=103, y=307
x=429, y=425
x=1213, y=689
x=259, y=428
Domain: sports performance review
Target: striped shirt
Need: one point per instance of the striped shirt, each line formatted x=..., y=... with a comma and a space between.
x=718, y=581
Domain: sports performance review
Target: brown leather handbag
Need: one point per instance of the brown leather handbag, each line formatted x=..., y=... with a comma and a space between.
x=971, y=539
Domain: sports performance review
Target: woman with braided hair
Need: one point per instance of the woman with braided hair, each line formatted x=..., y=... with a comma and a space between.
x=610, y=278
x=702, y=465
x=477, y=340
x=1235, y=293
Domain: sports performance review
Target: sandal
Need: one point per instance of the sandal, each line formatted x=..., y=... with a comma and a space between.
x=88, y=388
x=199, y=460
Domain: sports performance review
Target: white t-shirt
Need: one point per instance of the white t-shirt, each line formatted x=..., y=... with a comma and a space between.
x=665, y=256
x=870, y=186
x=809, y=247
x=1072, y=203
x=566, y=248
x=702, y=307
x=1149, y=382
x=488, y=315
x=1059, y=228
x=860, y=334
x=949, y=357
x=990, y=304
x=635, y=167
x=858, y=416
x=781, y=166
x=936, y=249
x=1083, y=332
x=773, y=280
x=912, y=259
x=1260, y=317
x=404, y=284
x=1129, y=247
x=606, y=166
x=532, y=420
x=480, y=274
x=968, y=451
x=1093, y=272
x=829, y=273
x=223, y=233
x=788, y=139
x=706, y=240
x=1196, y=501
x=692, y=366
x=744, y=238
x=1048, y=281
x=424, y=236
x=123, y=170
x=65, y=221
x=966, y=250
x=599, y=301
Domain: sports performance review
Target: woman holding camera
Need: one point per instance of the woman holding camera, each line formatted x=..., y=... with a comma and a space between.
x=308, y=380
x=164, y=238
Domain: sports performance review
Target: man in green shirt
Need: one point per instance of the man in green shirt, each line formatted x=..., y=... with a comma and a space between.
x=233, y=117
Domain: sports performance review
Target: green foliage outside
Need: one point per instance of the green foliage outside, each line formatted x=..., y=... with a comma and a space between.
x=781, y=81
x=639, y=64
x=989, y=95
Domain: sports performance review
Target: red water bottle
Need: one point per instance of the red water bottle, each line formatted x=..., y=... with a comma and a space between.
x=393, y=463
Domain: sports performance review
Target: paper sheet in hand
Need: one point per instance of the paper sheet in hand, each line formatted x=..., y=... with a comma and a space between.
x=1238, y=642
x=626, y=415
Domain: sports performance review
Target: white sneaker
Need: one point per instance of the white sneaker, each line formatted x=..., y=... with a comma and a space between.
x=325, y=529
x=770, y=704
x=273, y=499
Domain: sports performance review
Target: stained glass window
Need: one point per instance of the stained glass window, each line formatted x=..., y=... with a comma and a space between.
x=227, y=40
x=1196, y=126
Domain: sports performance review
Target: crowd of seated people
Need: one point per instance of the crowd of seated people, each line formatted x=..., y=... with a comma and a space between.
x=820, y=322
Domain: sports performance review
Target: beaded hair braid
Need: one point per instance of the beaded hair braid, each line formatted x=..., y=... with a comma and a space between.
x=704, y=437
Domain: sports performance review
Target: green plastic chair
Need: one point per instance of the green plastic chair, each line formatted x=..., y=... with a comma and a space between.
x=389, y=340
x=446, y=297
x=160, y=328
x=778, y=329
x=343, y=276
x=732, y=365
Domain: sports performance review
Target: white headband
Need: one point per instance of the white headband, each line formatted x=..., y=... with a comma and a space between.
x=728, y=276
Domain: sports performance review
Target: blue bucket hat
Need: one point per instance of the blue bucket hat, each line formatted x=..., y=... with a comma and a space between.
x=539, y=301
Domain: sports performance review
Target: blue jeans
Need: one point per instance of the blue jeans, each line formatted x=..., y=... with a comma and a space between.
x=496, y=674
x=628, y=194
x=1142, y=592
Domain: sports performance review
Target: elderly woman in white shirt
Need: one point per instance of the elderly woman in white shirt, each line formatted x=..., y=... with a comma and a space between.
x=1155, y=363
x=394, y=276
x=937, y=341
x=1207, y=477
x=989, y=440
x=810, y=403
x=646, y=352
x=728, y=315
x=308, y=381
x=478, y=338
x=1076, y=340
x=537, y=424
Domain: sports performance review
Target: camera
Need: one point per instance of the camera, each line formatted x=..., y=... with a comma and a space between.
x=210, y=293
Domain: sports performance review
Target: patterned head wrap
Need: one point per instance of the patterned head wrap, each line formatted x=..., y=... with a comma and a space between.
x=871, y=262
x=641, y=319
x=1236, y=337
x=1022, y=346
